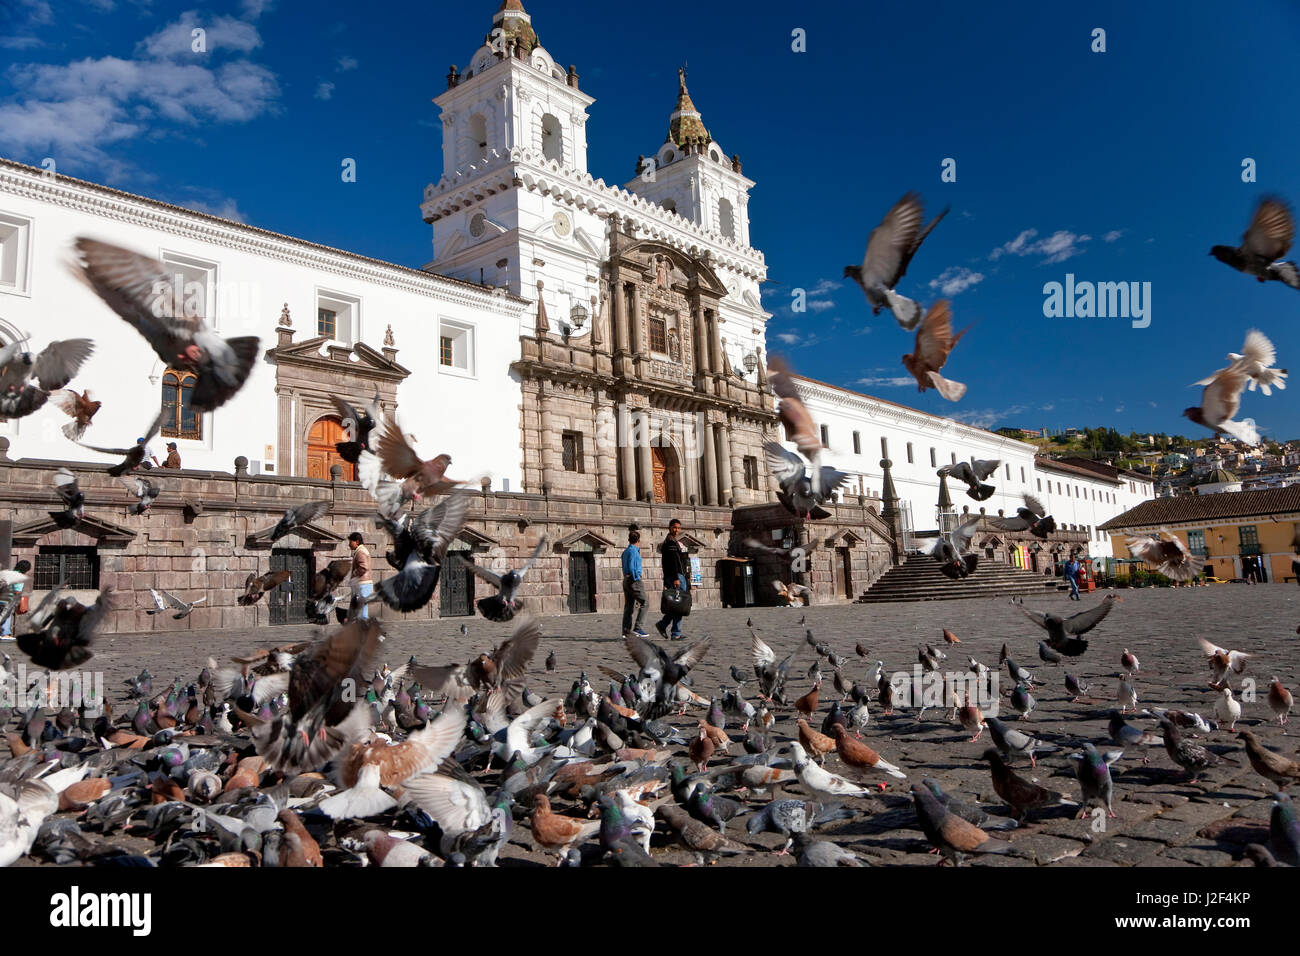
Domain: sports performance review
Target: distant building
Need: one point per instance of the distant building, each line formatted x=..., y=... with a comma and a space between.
x=1220, y=481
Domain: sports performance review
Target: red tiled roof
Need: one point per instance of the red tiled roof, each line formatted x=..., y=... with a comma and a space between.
x=1269, y=502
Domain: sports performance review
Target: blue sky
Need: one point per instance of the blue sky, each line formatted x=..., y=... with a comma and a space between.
x=1126, y=165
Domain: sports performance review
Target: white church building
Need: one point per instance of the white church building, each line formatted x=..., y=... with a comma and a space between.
x=521, y=246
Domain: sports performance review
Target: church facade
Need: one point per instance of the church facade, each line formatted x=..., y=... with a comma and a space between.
x=592, y=357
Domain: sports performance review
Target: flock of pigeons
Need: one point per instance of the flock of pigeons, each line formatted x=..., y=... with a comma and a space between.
x=320, y=753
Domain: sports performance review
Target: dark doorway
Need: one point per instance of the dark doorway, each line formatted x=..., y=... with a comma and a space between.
x=457, y=585
x=288, y=603
x=843, y=557
x=582, y=582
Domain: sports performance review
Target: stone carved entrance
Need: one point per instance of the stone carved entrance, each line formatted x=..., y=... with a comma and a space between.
x=667, y=475
x=321, y=450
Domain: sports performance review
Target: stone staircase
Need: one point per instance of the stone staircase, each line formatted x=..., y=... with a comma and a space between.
x=918, y=579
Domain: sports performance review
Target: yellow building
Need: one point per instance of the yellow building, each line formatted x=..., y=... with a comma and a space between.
x=1236, y=531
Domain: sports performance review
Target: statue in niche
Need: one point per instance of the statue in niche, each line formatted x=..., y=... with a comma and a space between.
x=661, y=274
x=674, y=346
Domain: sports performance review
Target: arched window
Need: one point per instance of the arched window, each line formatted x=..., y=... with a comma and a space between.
x=181, y=420
x=669, y=204
x=478, y=135
x=726, y=219
x=552, y=138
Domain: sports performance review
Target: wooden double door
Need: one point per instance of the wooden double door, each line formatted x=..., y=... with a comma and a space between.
x=321, y=450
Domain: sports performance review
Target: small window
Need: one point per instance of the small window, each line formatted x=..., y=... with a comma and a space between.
x=77, y=568
x=197, y=282
x=658, y=335
x=456, y=348
x=669, y=204
x=1196, y=541
x=571, y=451
x=857, y=443
x=826, y=436
x=15, y=243
x=181, y=421
x=751, y=472
x=909, y=453
x=1249, y=539
x=726, y=219
x=338, y=317
x=552, y=138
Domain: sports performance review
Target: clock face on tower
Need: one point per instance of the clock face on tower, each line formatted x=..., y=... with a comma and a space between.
x=562, y=224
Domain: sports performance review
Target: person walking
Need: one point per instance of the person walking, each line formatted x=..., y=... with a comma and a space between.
x=676, y=574
x=15, y=594
x=364, y=585
x=634, y=600
x=1071, y=576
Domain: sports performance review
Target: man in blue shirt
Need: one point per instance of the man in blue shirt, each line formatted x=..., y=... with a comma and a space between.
x=1071, y=573
x=633, y=588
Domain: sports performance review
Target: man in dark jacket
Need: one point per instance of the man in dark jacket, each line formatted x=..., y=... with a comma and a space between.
x=677, y=573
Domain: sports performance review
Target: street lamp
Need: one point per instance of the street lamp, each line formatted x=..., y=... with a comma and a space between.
x=578, y=315
x=751, y=362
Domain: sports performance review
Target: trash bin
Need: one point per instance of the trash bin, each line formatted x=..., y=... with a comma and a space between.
x=737, y=583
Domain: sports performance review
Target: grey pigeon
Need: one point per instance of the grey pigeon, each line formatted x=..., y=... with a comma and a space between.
x=890, y=249
x=1265, y=242
x=1284, y=830
x=813, y=852
x=1032, y=518
x=972, y=474
x=1013, y=743
x=1093, y=770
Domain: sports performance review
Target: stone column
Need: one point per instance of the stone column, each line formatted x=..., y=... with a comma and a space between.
x=643, y=455
x=546, y=439
x=606, y=442
x=737, y=466
x=710, y=466
x=723, y=448
x=619, y=301
x=626, y=459
x=719, y=358
x=699, y=335
x=636, y=329
x=691, y=444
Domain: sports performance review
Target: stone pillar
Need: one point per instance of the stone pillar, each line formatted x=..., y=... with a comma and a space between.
x=890, y=511
x=546, y=439
x=719, y=358
x=700, y=338
x=620, y=313
x=710, y=466
x=644, y=466
x=737, y=466
x=626, y=453
x=723, y=447
x=636, y=320
x=606, y=443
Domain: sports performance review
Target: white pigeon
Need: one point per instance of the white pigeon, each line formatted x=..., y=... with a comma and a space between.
x=1127, y=696
x=638, y=816
x=1227, y=708
x=1255, y=360
x=822, y=783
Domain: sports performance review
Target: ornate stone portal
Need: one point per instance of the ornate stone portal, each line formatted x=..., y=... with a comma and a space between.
x=651, y=411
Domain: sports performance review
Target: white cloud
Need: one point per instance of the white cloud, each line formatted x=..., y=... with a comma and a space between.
x=324, y=91
x=789, y=338
x=347, y=63
x=1057, y=247
x=824, y=286
x=225, y=208
x=255, y=8
x=887, y=381
x=820, y=305
x=1113, y=235
x=955, y=280
x=988, y=417
x=78, y=110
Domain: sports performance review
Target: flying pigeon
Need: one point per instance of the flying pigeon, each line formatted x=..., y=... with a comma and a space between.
x=771, y=675
x=51, y=370
x=358, y=426
x=79, y=407
x=1256, y=358
x=934, y=342
x=257, y=585
x=420, y=543
x=1220, y=400
x=292, y=520
x=972, y=473
x=61, y=629
x=1032, y=518
x=890, y=249
x=74, y=501
x=804, y=486
x=1265, y=242
x=131, y=457
x=140, y=290
x=1222, y=661
x=1062, y=632
x=503, y=605
x=1165, y=549
x=182, y=608
x=145, y=491
x=952, y=550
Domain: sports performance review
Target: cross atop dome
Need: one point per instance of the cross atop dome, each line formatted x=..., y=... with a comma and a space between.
x=685, y=124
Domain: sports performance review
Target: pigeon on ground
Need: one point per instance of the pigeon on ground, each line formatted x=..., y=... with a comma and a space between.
x=934, y=343
x=504, y=605
x=140, y=290
x=972, y=474
x=1228, y=709
x=1093, y=770
x=1265, y=242
x=890, y=249
x=1020, y=794
x=822, y=784
x=813, y=852
x=1076, y=688
x=1284, y=830
x=1032, y=518
x=1129, y=662
x=970, y=812
x=1014, y=743
x=1126, y=695
x=771, y=675
x=1281, y=771
x=1126, y=735
x=1191, y=757
x=1279, y=701
x=1047, y=655
x=948, y=833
